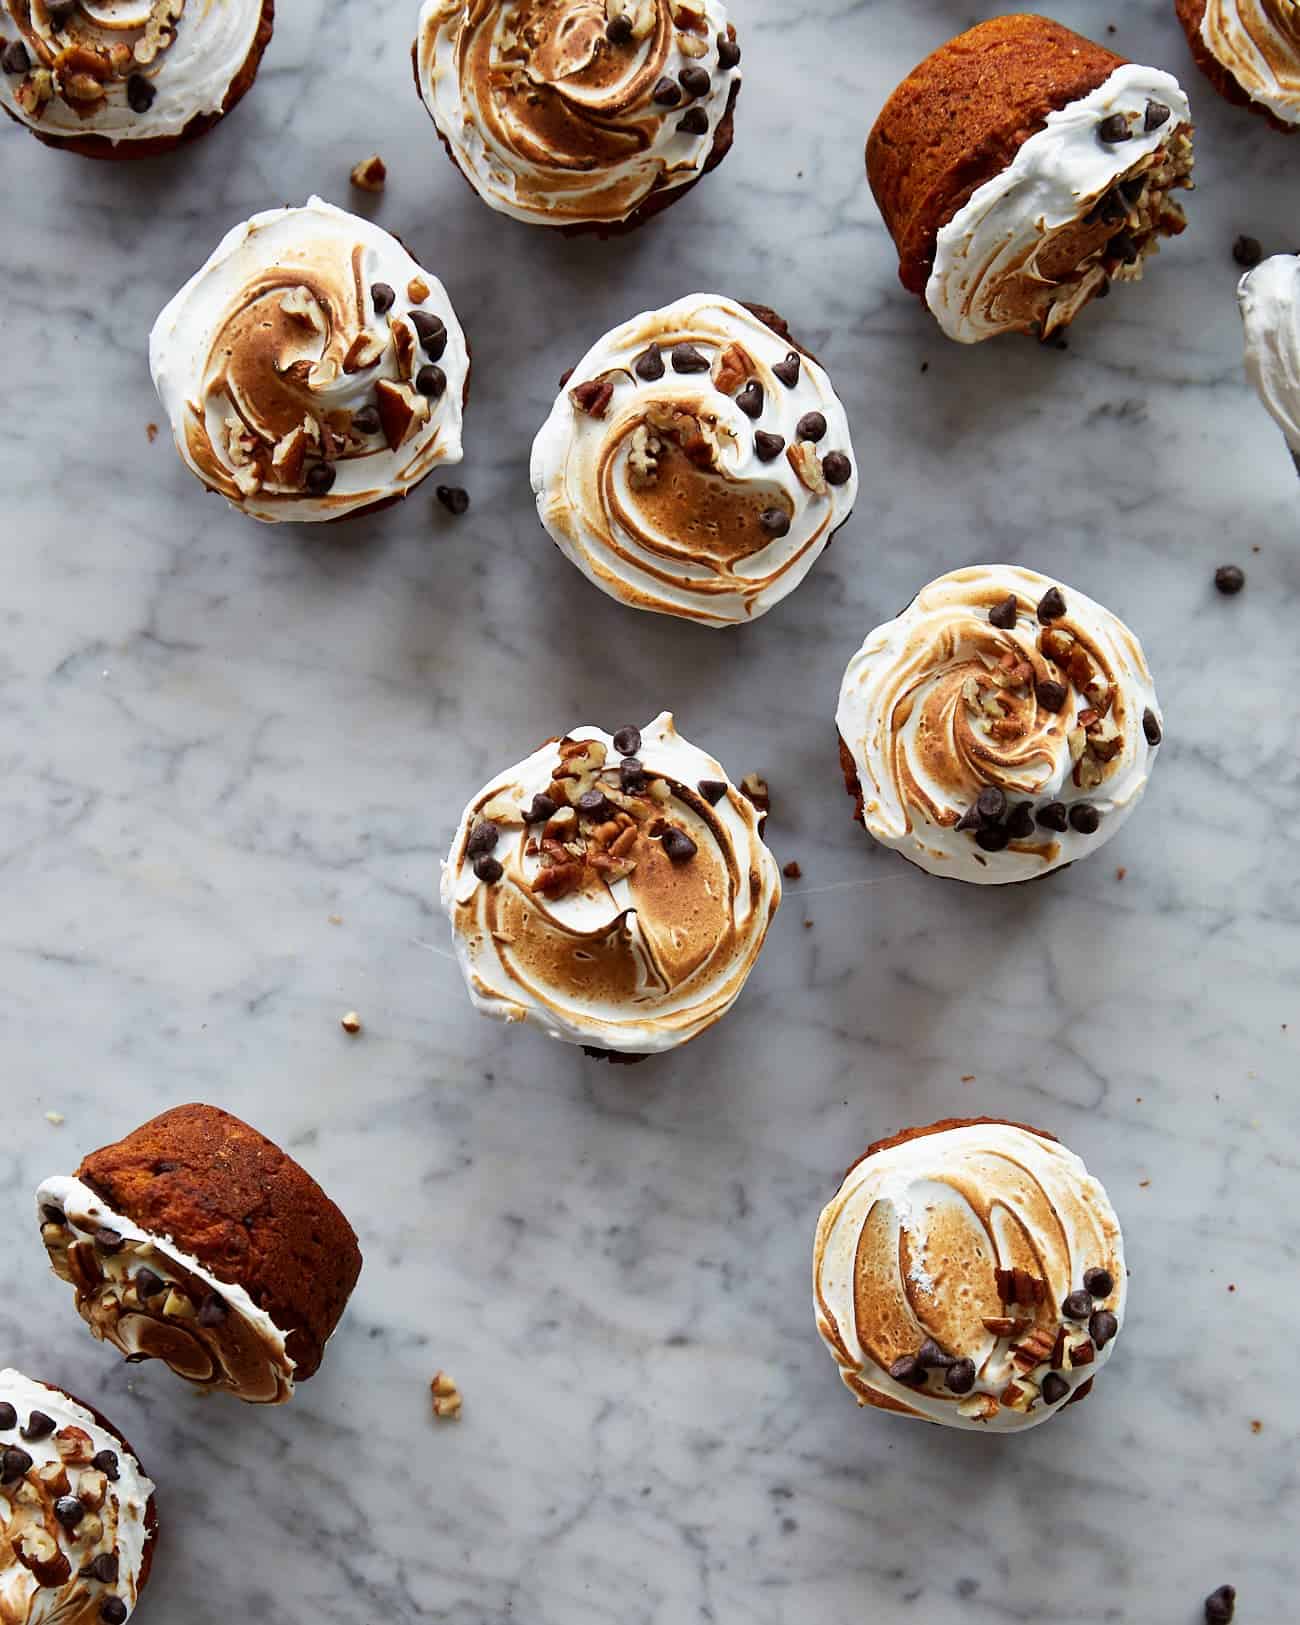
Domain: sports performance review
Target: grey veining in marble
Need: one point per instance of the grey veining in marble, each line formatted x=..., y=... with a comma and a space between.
x=215, y=737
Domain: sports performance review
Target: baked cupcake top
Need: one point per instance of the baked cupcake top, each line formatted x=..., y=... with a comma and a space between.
x=972, y=1276
x=1258, y=42
x=1000, y=727
x=612, y=889
x=311, y=368
x=126, y=70
x=1269, y=299
x=696, y=463
x=75, y=1522
x=564, y=112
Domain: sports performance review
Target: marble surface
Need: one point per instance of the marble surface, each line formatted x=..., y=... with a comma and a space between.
x=215, y=737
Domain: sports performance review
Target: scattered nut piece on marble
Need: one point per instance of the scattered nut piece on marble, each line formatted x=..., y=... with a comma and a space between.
x=370, y=175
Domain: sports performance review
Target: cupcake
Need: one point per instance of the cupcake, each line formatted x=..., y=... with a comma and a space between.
x=128, y=79
x=198, y=1242
x=1000, y=727
x=1021, y=170
x=590, y=115
x=696, y=463
x=311, y=369
x=77, y=1517
x=1249, y=50
x=613, y=890
x=1269, y=298
x=969, y=1273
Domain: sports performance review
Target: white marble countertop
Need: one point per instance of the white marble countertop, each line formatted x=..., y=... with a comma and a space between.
x=216, y=736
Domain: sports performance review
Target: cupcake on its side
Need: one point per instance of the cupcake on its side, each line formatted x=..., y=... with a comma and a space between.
x=311, y=369
x=589, y=115
x=1249, y=50
x=77, y=1516
x=613, y=890
x=1269, y=300
x=131, y=79
x=970, y=1273
x=696, y=463
x=1021, y=170
x=1000, y=727
x=198, y=1242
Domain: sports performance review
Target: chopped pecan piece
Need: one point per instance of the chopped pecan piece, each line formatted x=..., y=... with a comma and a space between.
x=733, y=367
x=594, y=396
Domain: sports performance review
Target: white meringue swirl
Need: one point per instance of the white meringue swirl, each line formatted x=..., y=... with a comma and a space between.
x=1258, y=42
x=1269, y=300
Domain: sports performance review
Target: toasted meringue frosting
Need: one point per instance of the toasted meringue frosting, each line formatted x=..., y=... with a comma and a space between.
x=555, y=123
x=628, y=926
x=965, y=1245
x=181, y=57
x=1033, y=245
x=1269, y=300
x=311, y=368
x=941, y=704
x=52, y=1571
x=658, y=488
x=207, y=1330
x=1258, y=42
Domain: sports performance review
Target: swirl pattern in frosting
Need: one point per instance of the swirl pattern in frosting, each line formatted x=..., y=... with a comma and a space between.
x=971, y=1275
x=696, y=464
x=128, y=70
x=1269, y=300
x=151, y=1301
x=571, y=112
x=76, y=1519
x=1258, y=42
x=615, y=898
x=311, y=369
x=1069, y=215
x=1000, y=727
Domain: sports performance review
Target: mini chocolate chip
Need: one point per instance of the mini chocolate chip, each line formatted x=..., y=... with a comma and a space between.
x=990, y=804
x=39, y=1426
x=1110, y=208
x=631, y=775
x=932, y=1357
x=767, y=447
x=1055, y=1388
x=320, y=479
x=1003, y=615
x=482, y=838
x=104, y=1568
x=775, y=521
x=1020, y=821
x=8, y=1417
x=1055, y=815
x=959, y=1378
x=619, y=30
x=1151, y=727
x=627, y=741
x=1078, y=1306
x=213, y=1311
x=649, y=365
x=837, y=468
x=1156, y=115
x=1051, y=606
x=668, y=93
x=811, y=426
x=59, y=11
x=148, y=1285
x=542, y=809
x=431, y=381
x=712, y=790
x=455, y=498
x=908, y=1369
x=108, y=1241
x=750, y=399
x=1229, y=579
x=1123, y=247
x=54, y=1215
x=1102, y=1327
x=679, y=846
x=694, y=121
x=1132, y=189
x=382, y=297
x=1100, y=1283
x=15, y=58
x=594, y=803
x=13, y=1464
x=695, y=80
x=970, y=819
x=140, y=93
x=992, y=837
x=113, y=1611
x=1220, y=1606
x=1247, y=251
x=1114, y=129
x=106, y=1462
x=788, y=370
x=69, y=1511
x=488, y=869
x=1051, y=695
x=432, y=333
x=366, y=421
x=1084, y=817
x=728, y=52
x=686, y=358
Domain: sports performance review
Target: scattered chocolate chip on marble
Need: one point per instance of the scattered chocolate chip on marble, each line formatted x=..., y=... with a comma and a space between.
x=432, y=333
x=1220, y=1606
x=1003, y=615
x=1051, y=606
x=1020, y=821
x=14, y=1463
x=69, y=1511
x=694, y=121
x=488, y=869
x=1055, y=1388
x=649, y=365
x=15, y=58
x=775, y=521
x=712, y=790
x=148, y=1285
x=39, y=1426
x=1078, y=1306
x=768, y=447
x=619, y=30
x=627, y=741
x=1102, y=1326
x=542, y=808
x=1084, y=818
x=695, y=80
x=1099, y=1283
x=8, y=1417
x=1114, y=129
x=113, y=1611
x=105, y=1461
x=837, y=468
x=454, y=498
x=1051, y=695
x=1151, y=727
x=382, y=297
x=788, y=370
x=1157, y=113
x=750, y=399
x=686, y=358
x=1054, y=815
x=679, y=846
x=140, y=93
x=811, y=426
x=104, y=1568
x=990, y=804
x=366, y=421
x=728, y=52
x=320, y=479
x=108, y=1241
x=959, y=1378
x=431, y=381
x=1247, y=251
x=907, y=1369
x=667, y=93
x=1229, y=579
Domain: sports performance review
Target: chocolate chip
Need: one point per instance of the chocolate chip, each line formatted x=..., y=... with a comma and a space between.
x=213, y=1311
x=140, y=93
x=1055, y=815
x=1102, y=1326
x=679, y=846
x=908, y=1369
x=1051, y=606
x=619, y=30
x=1084, y=817
x=1100, y=1283
x=1123, y=247
x=631, y=775
x=1110, y=208
x=1220, y=1606
x=728, y=52
x=113, y=1611
x=712, y=790
x=39, y=1426
x=106, y=1462
x=668, y=93
x=594, y=804
x=992, y=837
x=932, y=1357
x=959, y=1378
x=788, y=370
x=382, y=297
x=811, y=426
x=431, y=381
x=990, y=804
x=482, y=838
x=1247, y=251
x=432, y=333
x=837, y=468
x=104, y=1568
x=686, y=358
x=1132, y=189
x=455, y=498
x=148, y=1285
x=1114, y=129
x=54, y=1215
x=695, y=80
x=1151, y=727
x=694, y=121
x=627, y=741
x=1020, y=821
x=767, y=447
x=108, y=1241
x=542, y=809
x=1156, y=115
x=1003, y=615
x=1055, y=1388
x=775, y=521
x=59, y=11
x=970, y=819
x=8, y=1417
x=13, y=1464
x=69, y=1511
x=1229, y=579
x=488, y=869
x=320, y=478
x=649, y=365
x=15, y=58
x=750, y=399
x=366, y=421
x=1051, y=695
x=1078, y=1306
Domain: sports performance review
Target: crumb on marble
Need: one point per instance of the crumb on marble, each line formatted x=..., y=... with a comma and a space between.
x=151, y=429
x=1120, y=872
x=370, y=175
x=351, y=1023
x=56, y=1118
x=1143, y=1183
x=1256, y=1426
x=446, y=1397
x=336, y=919
x=968, y=1077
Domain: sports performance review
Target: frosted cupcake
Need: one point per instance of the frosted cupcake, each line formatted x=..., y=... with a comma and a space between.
x=1000, y=727
x=613, y=890
x=311, y=370
x=1249, y=50
x=1269, y=299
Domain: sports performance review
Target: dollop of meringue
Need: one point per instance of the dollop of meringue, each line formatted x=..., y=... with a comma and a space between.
x=553, y=122
x=1269, y=300
x=941, y=704
x=1033, y=245
x=311, y=368
x=208, y=1331
x=658, y=489
x=919, y=1244
x=46, y=1573
x=602, y=928
x=1258, y=42
x=188, y=53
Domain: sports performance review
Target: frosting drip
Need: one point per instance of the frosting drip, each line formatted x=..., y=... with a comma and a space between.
x=1258, y=41
x=1269, y=300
